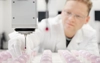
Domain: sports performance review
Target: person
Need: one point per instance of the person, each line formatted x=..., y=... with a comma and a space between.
x=70, y=31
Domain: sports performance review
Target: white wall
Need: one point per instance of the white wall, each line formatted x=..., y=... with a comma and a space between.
x=1, y=16
x=7, y=16
x=96, y=5
x=54, y=6
x=93, y=23
x=5, y=19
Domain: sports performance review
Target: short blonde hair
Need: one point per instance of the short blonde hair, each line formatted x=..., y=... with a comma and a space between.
x=87, y=2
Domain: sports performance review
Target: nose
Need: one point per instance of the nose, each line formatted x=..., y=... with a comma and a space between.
x=71, y=18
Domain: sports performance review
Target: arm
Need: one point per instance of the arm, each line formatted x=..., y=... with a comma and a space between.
x=17, y=41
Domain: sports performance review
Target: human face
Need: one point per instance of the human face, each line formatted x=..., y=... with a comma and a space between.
x=74, y=15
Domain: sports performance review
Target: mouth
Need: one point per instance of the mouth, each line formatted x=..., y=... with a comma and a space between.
x=69, y=24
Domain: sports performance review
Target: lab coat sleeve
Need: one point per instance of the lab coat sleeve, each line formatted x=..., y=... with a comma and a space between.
x=92, y=45
x=17, y=41
x=37, y=37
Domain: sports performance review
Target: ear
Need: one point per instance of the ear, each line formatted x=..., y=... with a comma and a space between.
x=87, y=19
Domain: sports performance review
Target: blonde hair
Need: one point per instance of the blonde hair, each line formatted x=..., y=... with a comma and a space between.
x=87, y=2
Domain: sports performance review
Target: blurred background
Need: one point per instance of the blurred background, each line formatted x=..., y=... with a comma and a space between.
x=54, y=8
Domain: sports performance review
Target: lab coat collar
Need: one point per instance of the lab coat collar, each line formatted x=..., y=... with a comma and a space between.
x=76, y=40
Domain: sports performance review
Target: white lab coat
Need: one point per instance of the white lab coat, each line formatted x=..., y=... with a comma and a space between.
x=54, y=39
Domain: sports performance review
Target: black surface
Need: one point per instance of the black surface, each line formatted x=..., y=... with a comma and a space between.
x=25, y=29
x=47, y=1
x=59, y=12
x=97, y=15
x=67, y=42
x=42, y=15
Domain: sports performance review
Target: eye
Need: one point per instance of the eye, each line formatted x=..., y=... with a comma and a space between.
x=68, y=13
x=78, y=16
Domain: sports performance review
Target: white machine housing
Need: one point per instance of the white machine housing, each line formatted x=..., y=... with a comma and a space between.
x=24, y=13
